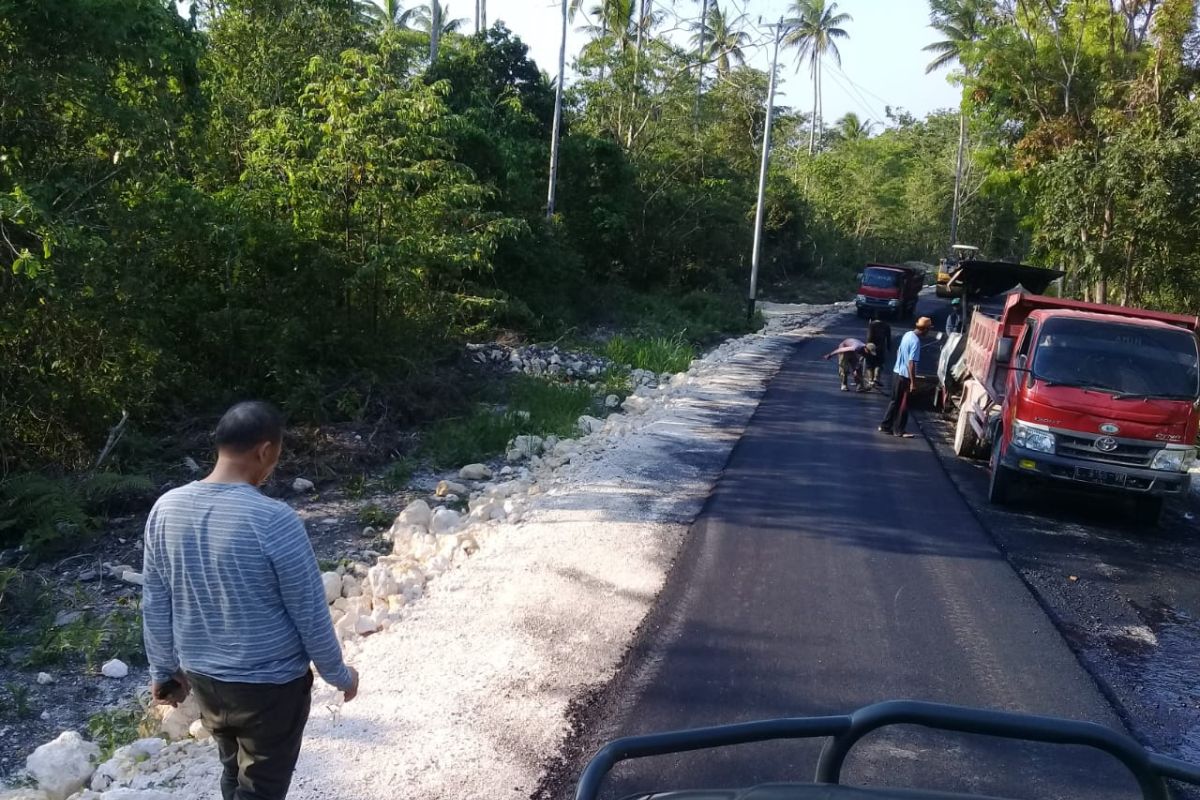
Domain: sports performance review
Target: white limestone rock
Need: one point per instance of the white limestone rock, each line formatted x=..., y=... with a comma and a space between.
x=382, y=582
x=198, y=731
x=136, y=578
x=445, y=520
x=475, y=472
x=114, y=668
x=177, y=721
x=588, y=424
x=415, y=513
x=62, y=767
x=45, y=679
x=446, y=488
x=333, y=586
x=527, y=445
x=124, y=762
x=302, y=486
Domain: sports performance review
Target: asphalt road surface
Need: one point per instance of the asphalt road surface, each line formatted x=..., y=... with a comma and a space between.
x=835, y=566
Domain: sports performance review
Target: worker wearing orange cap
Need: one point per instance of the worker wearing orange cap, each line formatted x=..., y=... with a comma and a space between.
x=907, y=355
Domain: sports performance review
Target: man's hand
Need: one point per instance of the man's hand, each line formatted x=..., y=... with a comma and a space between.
x=171, y=692
x=352, y=692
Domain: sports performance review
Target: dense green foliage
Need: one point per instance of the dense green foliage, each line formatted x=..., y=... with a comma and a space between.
x=307, y=202
x=1094, y=110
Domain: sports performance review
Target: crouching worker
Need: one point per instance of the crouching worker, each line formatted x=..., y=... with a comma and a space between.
x=234, y=609
x=851, y=353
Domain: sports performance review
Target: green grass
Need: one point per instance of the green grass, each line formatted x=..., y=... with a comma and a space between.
x=118, y=634
x=657, y=354
x=552, y=409
x=17, y=705
x=374, y=516
x=119, y=726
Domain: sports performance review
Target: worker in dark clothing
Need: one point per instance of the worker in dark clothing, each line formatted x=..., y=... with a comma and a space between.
x=879, y=333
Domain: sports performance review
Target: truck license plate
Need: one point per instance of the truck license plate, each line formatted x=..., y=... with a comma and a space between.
x=1099, y=476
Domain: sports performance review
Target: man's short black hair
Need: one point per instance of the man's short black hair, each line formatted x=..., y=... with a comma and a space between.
x=248, y=425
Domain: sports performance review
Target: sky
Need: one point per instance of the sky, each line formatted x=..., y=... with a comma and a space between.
x=882, y=61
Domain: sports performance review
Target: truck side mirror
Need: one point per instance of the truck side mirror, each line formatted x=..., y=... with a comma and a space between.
x=1022, y=360
x=858, y=277
x=1004, y=350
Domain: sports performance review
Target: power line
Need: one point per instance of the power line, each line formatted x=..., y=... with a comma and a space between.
x=860, y=86
x=856, y=98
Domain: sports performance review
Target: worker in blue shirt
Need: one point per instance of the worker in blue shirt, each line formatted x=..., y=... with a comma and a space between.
x=907, y=356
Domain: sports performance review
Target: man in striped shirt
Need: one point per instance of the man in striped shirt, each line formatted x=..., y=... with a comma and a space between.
x=234, y=609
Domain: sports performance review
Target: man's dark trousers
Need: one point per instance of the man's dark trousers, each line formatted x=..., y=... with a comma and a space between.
x=896, y=419
x=258, y=728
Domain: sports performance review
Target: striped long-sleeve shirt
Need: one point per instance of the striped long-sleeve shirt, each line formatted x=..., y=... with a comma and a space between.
x=232, y=589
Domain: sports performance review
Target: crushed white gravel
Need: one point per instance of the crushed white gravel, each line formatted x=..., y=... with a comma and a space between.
x=466, y=696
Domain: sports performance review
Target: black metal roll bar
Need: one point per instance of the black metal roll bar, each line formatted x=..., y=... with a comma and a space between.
x=1148, y=769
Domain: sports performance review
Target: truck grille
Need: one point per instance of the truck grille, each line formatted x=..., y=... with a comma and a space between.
x=1132, y=455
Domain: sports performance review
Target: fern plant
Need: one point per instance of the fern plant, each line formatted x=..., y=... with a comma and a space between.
x=46, y=514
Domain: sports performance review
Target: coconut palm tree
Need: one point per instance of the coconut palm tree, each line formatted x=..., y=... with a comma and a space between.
x=612, y=17
x=813, y=29
x=851, y=128
x=960, y=22
x=388, y=14
x=721, y=40
x=434, y=19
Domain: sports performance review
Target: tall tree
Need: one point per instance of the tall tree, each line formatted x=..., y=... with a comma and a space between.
x=700, y=57
x=434, y=18
x=813, y=29
x=388, y=14
x=850, y=128
x=961, y=23
x=721, y=40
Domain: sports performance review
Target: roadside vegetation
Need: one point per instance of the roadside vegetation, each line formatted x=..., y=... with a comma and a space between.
x=301, y=202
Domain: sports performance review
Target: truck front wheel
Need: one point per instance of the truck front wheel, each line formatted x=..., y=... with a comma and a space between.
x=966, y=443
x=1148, y=509
x=1001, y=483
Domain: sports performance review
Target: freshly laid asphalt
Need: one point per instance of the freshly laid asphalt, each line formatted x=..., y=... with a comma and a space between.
x=835, y=566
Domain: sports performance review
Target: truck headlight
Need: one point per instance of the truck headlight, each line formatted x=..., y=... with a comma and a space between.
x=1173, y=460
x=893, y=303
x=1031, y=438
x=860, y=298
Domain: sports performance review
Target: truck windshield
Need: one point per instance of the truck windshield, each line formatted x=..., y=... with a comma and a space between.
x=880, y=278
x=1126, y=360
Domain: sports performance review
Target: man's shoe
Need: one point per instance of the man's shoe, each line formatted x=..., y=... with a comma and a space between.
x=845, y=388
x=885, y=430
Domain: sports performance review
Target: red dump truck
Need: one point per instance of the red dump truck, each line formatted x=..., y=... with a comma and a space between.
x=888, y=290
x=1090, y=395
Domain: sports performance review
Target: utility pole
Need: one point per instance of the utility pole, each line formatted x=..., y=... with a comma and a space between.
x=558, y=102
x=958, y=174
x=700, y=66
x=762, y=176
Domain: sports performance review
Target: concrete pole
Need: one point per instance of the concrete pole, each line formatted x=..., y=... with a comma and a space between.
x=762, y=177
x=958, y=173
x=700, y=58
x=558, y=102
